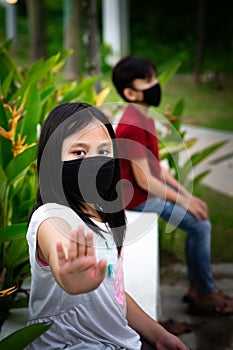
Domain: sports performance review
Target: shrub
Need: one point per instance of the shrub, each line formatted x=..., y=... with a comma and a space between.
x=26, y=97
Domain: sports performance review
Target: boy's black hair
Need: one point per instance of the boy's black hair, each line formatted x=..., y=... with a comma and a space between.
x=62, y=121
x=130, y=68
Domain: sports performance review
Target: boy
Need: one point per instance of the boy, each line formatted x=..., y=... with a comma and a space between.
x=155, y=189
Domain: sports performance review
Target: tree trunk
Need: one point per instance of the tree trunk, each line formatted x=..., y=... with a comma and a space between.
x=200, y=41
x=36, y=16
x=71, y=38
x=91, y=39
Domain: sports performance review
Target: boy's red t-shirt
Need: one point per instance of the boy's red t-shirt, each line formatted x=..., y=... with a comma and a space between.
x=136, y=138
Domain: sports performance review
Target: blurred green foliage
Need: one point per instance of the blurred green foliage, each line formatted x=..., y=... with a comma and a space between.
x=157, y=29
x=26, y=98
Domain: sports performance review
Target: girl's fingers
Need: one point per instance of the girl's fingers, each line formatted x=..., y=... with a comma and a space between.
x=81, y=242
x=102, y=268
x=60, y=252
x=79, y=245
x=72, y=247
x=90, y=244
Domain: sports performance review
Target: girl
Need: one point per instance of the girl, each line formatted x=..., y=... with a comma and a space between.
x=75, y=238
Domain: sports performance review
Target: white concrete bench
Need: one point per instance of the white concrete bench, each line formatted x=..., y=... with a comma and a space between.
x=141, y=261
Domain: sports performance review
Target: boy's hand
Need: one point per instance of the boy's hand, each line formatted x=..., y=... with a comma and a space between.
x=78, y=270
x=195, y=206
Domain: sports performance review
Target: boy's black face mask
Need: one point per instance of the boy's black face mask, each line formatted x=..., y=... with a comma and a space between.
x=151, y=96
x=89, y=179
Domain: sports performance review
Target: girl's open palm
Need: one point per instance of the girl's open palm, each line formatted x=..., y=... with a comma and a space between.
x=78, y=270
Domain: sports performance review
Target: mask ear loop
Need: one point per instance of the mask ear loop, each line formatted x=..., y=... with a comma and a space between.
x=138, y=90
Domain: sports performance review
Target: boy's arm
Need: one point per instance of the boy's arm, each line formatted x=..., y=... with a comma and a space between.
x=151, y=330
x=154, y=186
x=170, y=180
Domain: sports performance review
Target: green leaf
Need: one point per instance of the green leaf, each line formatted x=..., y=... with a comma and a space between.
x=178, y=109
x=47, y=93
x=17, y=231
x=200, y=176
x=20, y=303
x=198, y=158
x=7, y=65
x=38, y=72
x=5, y=151
x=170, y=147
x=83, y=88
x=4, y=120
x=41, y=68
x=18, y=165
x=169, y=72
x=25, y=271
x=3, y=182
x=24, y=336
x=165, y=152
x=28, y=124
x=16, y=254
x=61, y=61
x=5, y=86
x=27, y=204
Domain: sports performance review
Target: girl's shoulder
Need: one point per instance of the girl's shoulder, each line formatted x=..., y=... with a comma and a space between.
x=54, y=210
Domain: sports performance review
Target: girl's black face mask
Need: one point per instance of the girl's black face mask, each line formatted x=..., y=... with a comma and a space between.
x=90, y=179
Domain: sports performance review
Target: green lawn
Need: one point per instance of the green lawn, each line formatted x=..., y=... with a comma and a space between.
x=220, y=209
x=206, y=105
x=220, y=212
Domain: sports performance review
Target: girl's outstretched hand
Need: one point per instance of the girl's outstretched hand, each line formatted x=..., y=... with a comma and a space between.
x=78, y=270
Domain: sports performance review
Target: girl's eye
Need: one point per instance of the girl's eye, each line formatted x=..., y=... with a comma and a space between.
x=104, y=152
x=80, y=153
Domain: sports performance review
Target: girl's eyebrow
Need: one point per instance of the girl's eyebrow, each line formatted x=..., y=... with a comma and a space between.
x=82, y=144
x=106, y=144
x=78, y=144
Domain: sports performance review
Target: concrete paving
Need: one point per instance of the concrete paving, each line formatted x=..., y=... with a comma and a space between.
x=210, y=332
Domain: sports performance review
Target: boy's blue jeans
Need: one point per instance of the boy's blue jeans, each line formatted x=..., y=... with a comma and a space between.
x=198, y=241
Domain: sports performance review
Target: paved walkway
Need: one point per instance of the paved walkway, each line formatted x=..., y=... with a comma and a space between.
x=210, y=332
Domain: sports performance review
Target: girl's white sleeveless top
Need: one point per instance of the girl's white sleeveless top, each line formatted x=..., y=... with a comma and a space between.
x=94, y=320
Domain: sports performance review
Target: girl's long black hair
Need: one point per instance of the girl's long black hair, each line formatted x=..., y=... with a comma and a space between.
x=62, y=121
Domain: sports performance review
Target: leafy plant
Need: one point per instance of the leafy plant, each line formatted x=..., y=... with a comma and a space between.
x=24, y=336
x=26, y=97
x=171, y=143
x=174, y=141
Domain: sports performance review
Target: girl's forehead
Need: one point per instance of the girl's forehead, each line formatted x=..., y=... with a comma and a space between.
x=92, y=132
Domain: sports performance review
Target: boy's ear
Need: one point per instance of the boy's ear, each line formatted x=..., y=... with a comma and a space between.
x=130, y=94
